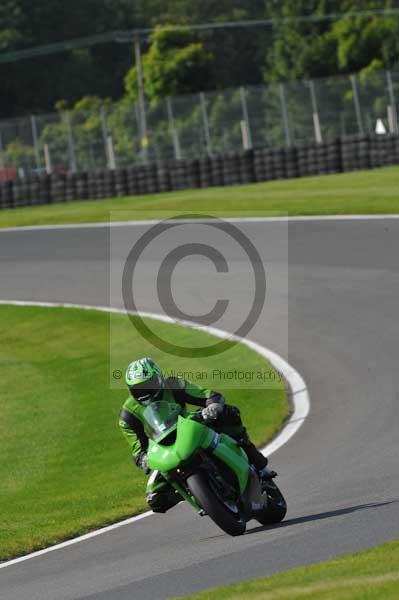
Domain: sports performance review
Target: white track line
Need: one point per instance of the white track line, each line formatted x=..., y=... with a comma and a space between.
x=299, y=396
x=147, y=223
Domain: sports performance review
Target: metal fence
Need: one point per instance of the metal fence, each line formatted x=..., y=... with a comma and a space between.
x=290, y=114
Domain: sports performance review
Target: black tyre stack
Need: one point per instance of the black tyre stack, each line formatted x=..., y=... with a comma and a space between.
x=35, y=190
x=303, y=161
x=261, y=164
x=193, y=173
x=334, y=158
x=231, y=171
x=247, y=168
x=58, y=188
x=178, y=175
x=349, y=154
x=291, y=162
x=91, y=185
x=278, y=163
x=205, y=172
x=82, y=186
x=70, y=187
x=121, y=188
x=8, y=194
x=100, y=184
x=18, y=191
x=217, y=171
x=109, y=184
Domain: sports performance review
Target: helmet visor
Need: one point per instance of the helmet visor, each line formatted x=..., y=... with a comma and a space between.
x=147, y=391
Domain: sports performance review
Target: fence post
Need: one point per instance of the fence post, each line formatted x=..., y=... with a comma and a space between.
x=206, y=124
x=285, y=116
x=137, y=116
x=71, y=145
x=47, y=159
x=393, y=111
x=316, y=118
x=104, y=130
x=247, y=137
x=175, y=133
x=142, y=111
x=356, y=101
x=111, y=153
x=35, y=138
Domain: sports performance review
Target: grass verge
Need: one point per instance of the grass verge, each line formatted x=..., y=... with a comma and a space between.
x=368, y=192
x=65, y=467
x=369, y=575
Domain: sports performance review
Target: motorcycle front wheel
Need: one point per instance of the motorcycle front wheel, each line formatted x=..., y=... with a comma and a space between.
x=231, y=522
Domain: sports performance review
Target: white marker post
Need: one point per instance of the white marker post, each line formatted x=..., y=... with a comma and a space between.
x=380, y=128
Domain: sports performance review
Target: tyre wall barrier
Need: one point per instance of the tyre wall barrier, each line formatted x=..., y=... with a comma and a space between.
x=252, y=166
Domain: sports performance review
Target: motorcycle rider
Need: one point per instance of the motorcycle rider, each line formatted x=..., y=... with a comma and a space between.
x=147, y=384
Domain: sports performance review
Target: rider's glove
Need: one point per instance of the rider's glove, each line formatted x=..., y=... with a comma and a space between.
x=142, y=462
x=212, y=412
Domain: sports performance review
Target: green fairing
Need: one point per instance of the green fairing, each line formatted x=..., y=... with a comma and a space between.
x=191, y=436
x=234, y=457
x=192, y=462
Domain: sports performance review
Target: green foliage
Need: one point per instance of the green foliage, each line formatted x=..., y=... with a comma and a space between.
x=17, y=154
x=176, y=63
x=320, y=49
x=83, y=122
x=366, y=43
x=36, y=84
x=301, y=50
x=183, y=62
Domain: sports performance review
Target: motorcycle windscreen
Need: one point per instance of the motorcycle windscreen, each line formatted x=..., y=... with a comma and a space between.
x=160, y=417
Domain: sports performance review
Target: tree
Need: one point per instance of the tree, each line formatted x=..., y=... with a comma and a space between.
x=176, y=63
x=367, y=43
x=81, y=127
x=237, y=53
x=319, y=49
x=18, y=155
x=301, y=50
x=34, y=85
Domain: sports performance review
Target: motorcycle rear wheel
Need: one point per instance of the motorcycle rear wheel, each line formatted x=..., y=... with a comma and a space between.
x=276, y=508
x=228, y=521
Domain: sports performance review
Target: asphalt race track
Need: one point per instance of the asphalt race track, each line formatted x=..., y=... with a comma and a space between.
x=339, y=472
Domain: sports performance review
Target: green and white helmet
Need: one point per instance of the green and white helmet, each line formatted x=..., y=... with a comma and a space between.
x=144, y=380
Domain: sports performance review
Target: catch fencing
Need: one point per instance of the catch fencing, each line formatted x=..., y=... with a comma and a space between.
x=120, y=135
x=250, y=166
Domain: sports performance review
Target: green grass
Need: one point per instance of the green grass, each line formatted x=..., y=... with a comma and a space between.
x=368, y=192
x=370, y=575
x=65, y=468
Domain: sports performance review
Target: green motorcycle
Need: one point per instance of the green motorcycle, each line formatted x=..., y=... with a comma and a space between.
x=209, y=470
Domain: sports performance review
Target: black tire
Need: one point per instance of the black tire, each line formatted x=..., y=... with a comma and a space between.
x=231, y=523
x=276, y=508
